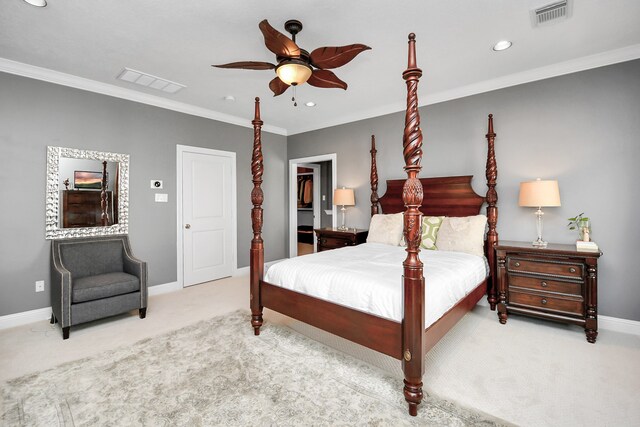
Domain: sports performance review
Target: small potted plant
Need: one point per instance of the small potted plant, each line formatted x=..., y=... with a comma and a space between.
x=583, y=225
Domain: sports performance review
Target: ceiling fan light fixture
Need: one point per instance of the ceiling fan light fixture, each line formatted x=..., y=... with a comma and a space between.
x=293, y=72
x=37, y=3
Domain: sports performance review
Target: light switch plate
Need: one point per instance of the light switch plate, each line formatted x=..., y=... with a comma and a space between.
x=162, y=197
x=156, y=184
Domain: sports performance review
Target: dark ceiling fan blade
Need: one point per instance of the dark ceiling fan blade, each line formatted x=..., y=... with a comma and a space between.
x=334, y=57
x=277, y=86
x=326, y=79
x=248, y=65
x=277, y=42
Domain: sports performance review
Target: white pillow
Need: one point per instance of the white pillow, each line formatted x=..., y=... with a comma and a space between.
x=386, y=229
x=462, y=234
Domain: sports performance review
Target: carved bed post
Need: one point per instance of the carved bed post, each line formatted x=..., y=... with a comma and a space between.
x=413, y=279
x=256, y=262
x=104, y=218
x=492, y=213
x=374, y=177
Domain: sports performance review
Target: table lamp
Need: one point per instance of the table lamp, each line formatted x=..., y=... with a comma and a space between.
x=343, y=197
x=539, y=194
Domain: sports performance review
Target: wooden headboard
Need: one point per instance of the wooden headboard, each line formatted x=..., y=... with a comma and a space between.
x=447, y=196
x=443, y=196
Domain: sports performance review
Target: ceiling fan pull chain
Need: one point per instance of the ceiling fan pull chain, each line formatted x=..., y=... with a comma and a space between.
x=293, y=98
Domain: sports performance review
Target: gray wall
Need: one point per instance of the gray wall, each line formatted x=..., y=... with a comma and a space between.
x=582, y=129
x=35, y=114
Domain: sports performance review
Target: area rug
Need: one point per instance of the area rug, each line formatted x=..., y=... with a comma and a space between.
x=217, y=372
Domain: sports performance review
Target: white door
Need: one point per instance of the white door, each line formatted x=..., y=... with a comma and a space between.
x=207, y=216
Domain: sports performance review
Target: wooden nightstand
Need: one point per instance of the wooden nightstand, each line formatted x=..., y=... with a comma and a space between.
x=332, y=238
x=556, y=283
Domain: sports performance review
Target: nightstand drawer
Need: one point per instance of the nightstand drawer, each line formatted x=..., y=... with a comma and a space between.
x=333, y=243
x=566, y=305
x=332, y=238
x=545, y=285
x=555, y=268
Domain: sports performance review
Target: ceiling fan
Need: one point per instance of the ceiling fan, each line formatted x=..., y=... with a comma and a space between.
x=295, y=65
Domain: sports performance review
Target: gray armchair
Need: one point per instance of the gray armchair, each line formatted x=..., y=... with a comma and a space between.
x=93, y=278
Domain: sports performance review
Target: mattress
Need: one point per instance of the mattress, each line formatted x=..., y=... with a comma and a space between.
x=368, y=278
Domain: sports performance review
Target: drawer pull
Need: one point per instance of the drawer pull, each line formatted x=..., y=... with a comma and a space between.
x=544, y=284
x=544, y=301
x=517, y=264
x=572, y=270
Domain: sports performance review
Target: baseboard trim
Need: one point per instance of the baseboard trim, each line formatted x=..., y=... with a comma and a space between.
x=25, y=317
x=31, y=316
x=615, y=324
x=245, y=270
x=163, y=289
x=619, y=325
x=241, y=271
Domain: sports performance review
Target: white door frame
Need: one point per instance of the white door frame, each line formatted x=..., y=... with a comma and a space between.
x=180, y=150
x=317, y=209
x=293, y=200
x=317, y=177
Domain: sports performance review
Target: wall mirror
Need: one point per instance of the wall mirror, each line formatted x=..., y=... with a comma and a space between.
x=75, y=183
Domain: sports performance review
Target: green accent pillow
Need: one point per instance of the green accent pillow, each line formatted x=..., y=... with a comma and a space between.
x=430, y=227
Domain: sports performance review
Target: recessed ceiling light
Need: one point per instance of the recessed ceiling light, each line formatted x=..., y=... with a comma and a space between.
x=502, y=45
x=38, y=3
x=310, y=104
x=229, y=98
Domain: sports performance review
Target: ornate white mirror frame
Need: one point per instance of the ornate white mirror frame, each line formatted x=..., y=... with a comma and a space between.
x=52, y=215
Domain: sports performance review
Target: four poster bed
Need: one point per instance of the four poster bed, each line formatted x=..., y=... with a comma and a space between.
x=404, y=334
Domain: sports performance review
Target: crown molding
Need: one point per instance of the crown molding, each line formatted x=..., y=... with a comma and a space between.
x=624, y=54
x=56, y=77
x=603, y=59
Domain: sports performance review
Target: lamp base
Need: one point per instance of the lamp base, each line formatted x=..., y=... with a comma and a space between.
x=539, y=243
x=343, y=227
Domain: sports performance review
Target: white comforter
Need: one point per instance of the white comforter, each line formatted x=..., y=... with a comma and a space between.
x=368, y=278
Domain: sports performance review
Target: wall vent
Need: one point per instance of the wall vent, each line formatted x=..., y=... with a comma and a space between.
x=144, y=79
x=551, y=13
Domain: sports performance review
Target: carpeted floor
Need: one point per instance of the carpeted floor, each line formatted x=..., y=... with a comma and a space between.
x=216, y=372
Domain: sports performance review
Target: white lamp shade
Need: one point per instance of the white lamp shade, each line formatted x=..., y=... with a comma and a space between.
x=344, y=197
x=539, y=193
x=293, y=72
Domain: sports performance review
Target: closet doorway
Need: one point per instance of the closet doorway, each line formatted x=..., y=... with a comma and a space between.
x=312, y=181
x=308, y=189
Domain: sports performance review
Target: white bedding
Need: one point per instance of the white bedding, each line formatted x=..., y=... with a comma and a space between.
x=368, y=278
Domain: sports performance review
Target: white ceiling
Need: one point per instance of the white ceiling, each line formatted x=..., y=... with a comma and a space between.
x=179, y=40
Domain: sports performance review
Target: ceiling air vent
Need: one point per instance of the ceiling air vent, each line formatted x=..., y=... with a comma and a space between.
x=551, y=13
x=144, y=79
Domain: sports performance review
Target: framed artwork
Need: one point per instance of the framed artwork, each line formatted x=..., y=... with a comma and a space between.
x=87, y=180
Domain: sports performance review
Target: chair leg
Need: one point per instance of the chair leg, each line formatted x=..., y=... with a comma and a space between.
x=143, y=312
x=53, y=319
x=65, y=332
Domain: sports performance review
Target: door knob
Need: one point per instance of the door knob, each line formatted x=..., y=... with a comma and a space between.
x=187, y=226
